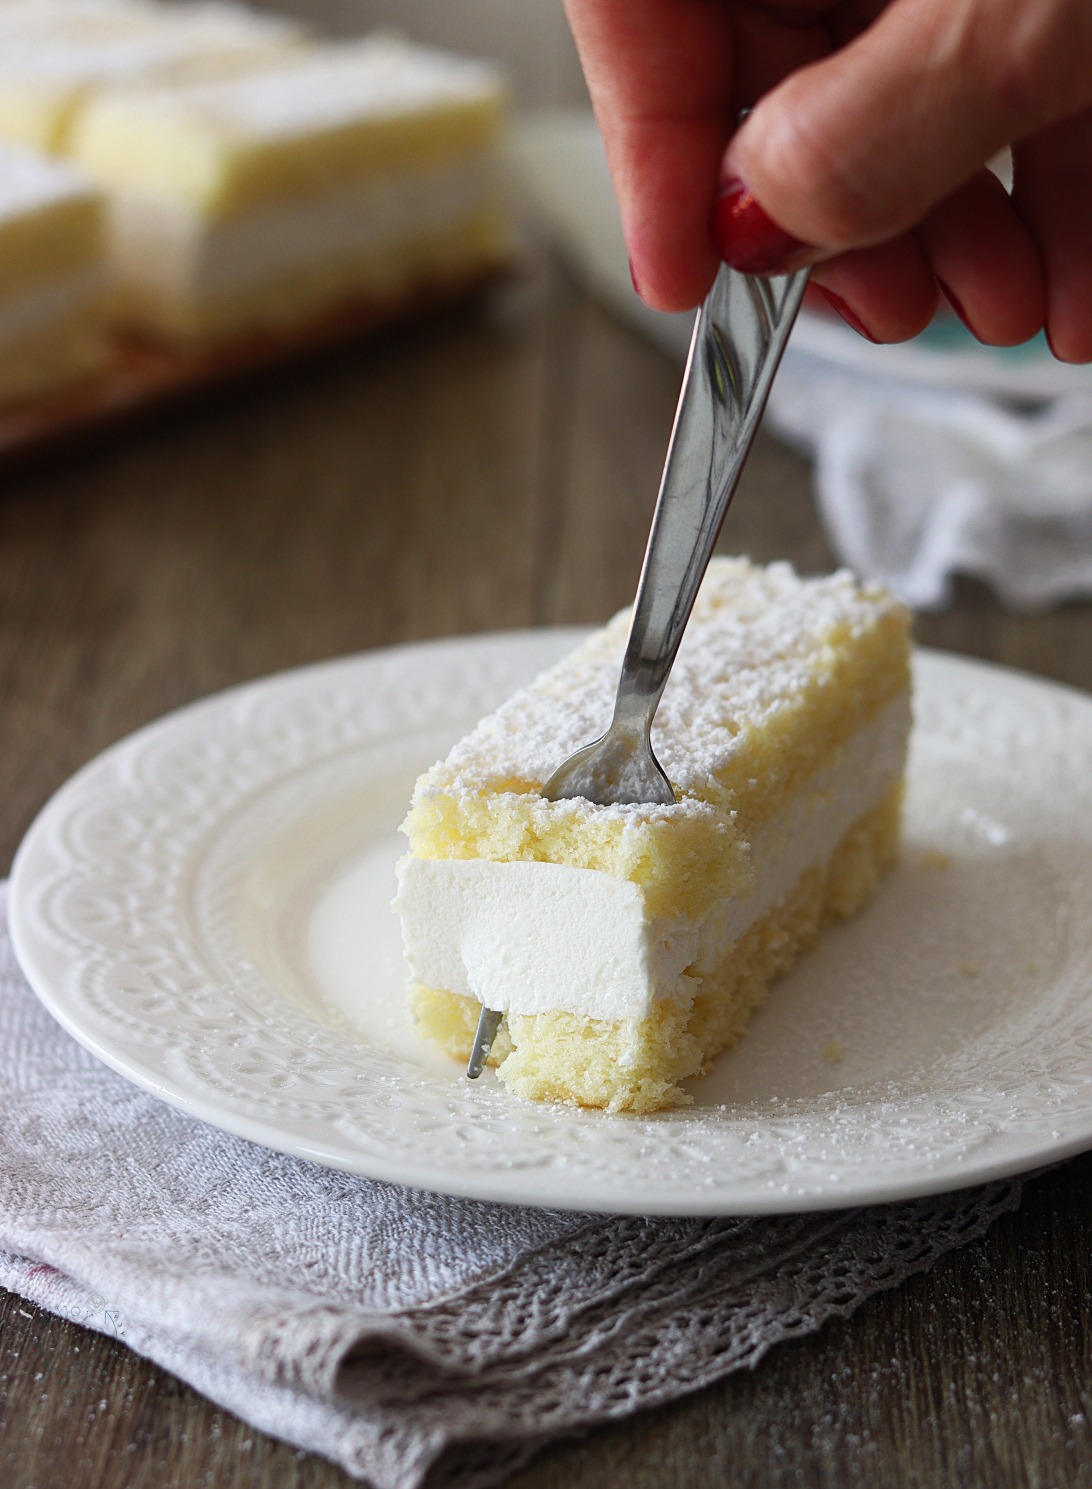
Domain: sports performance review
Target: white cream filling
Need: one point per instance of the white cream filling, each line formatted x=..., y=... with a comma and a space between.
x=530, y=937
x=168, y=248
x=34, y=312
x=524, y=937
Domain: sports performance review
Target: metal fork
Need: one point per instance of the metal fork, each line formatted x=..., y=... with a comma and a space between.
x=739, y=336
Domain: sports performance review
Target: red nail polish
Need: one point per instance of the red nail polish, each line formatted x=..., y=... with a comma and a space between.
x=837, y=303
x=746, y=238
x=633, y=277
x=958, y=308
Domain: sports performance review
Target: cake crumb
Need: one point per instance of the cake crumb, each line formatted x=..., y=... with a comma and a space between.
x=834, y=1052
x=967, y=968
x=935, y=859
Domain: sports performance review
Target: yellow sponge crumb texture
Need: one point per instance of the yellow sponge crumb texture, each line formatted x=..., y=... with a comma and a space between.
x=60, y=237
x=746, y=719
x=54, y=292
x=777, y=680
x=636, y=1065
x=56, y=59
x=323, y=117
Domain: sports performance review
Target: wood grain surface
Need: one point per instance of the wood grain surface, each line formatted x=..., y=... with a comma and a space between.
x=493, y=469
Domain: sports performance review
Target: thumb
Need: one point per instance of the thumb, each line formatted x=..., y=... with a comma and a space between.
x=856, y=148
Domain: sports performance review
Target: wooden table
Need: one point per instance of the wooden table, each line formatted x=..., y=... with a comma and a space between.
x=495, y=468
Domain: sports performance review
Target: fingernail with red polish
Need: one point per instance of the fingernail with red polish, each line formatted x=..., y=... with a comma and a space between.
x=954, y=302
x=746, y=238
x=1056, y=354
x=837, y=303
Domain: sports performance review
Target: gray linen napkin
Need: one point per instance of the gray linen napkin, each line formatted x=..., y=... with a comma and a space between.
x=405, y=1335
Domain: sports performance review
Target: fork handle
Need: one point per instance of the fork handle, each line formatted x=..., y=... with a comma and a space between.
x=739, y=336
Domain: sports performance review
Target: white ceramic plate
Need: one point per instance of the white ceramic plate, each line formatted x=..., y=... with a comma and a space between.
x=206, y=908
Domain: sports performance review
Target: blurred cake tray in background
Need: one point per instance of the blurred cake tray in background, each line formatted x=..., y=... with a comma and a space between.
x=251, y=194
x=53, y=277
x=57, y=55
x=259, y=202
x=142, y=376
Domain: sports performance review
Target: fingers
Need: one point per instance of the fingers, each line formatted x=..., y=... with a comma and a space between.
x=665, y=173
x=845, y=154
x=667, y=79
x=1052, y=191
x=860, y=146
x=888, y=134
x=660, y=77
x=973, y=245
x=886, y=293
x=986, y=262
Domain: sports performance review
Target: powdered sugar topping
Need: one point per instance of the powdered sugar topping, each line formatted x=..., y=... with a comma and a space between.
x=761, y=633
x=378, y=78
x=84, y=45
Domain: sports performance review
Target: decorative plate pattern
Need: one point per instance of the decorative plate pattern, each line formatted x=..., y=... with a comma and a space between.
x=205, y=907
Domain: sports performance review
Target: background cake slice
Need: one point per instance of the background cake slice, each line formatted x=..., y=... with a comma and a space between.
x=57, y=55
x=53, y=278
x=363, y=172
x=627, y=945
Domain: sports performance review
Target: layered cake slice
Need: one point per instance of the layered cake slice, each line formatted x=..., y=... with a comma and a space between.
x=360, y=173
x=628, y=945
x=53, y=279
x=57, y=55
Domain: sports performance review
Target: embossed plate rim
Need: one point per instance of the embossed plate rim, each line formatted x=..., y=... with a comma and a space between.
x=496, y=1148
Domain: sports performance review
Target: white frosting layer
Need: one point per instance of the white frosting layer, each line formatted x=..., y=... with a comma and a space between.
x=529, y=937
x=524, y=937
x=33, y=183
x=37, y=312
x=171, y=249
x=74, y=46
x=378, y=78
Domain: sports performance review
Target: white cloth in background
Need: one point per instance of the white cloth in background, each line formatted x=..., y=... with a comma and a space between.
x=915, y=482
x=407, y=1336
x=916, y=485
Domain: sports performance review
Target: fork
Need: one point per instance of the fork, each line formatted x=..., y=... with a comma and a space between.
x=739, y=337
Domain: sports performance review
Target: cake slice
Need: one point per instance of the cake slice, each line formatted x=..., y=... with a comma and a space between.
x=53, y=278
x=628, y=945
x=362, y=173
x=56, y=55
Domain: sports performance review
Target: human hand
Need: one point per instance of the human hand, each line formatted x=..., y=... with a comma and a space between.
x=864, y=153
